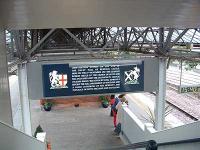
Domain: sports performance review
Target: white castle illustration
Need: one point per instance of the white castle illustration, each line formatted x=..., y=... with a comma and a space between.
x=57, y=81
x=131, y=76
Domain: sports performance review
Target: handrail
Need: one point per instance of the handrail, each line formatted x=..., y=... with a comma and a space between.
x=149, y=145
x=179, y=142
x=152, y=145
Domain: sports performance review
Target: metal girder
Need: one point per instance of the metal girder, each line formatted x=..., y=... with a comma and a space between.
x=113, y=38
x=129, y=37
x=95, y=40
x=136, y=40
x=193, y=36
x=154, y=36
x=185, y=53
x=125, y=39
x=34, y=35
x=18, y=43
x=178, y=38
x=144, y=37
x=179, y=34
x=168, y=39
x=77, y=40
x=39, y=43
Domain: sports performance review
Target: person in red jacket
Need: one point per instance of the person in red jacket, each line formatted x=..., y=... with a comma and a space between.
x=118, y=100
x=114, y=110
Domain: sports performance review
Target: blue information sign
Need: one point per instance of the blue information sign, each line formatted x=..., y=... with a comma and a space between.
x=68, y=80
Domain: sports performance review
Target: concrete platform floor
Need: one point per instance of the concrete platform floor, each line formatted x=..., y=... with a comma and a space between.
x=70, y=128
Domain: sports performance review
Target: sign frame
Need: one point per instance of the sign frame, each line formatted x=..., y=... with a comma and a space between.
x=103, y=78
x=35, y=80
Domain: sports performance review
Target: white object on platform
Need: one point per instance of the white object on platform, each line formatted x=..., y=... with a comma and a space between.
x=41, y=136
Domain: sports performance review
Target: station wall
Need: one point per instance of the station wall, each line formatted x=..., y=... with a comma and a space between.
x=134, y=130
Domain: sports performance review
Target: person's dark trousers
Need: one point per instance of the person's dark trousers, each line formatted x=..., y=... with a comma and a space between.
x=118, y=129
x=111, y=113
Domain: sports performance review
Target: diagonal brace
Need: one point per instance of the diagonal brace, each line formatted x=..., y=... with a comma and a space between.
x=76, y=39
x=178, y=38
x=168, y=39
x=140, y=35
x=39, y=43
x=112, y=39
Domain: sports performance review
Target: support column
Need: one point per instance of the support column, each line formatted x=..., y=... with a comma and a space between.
x=5, y=102
x=160, y=96
x=104, y=36
x=25, y=102
x=161, y=38
x=125, y=40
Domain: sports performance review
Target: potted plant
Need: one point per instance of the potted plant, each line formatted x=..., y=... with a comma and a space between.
x=104, y=101
x=47, y=105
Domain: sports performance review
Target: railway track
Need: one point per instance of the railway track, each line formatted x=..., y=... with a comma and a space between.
x=186, y=103
x=183, y=111
x=179, y=108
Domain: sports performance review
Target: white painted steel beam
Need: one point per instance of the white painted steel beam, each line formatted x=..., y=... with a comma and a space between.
x=160, y=96
x=25, y=102
x=21, y=14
